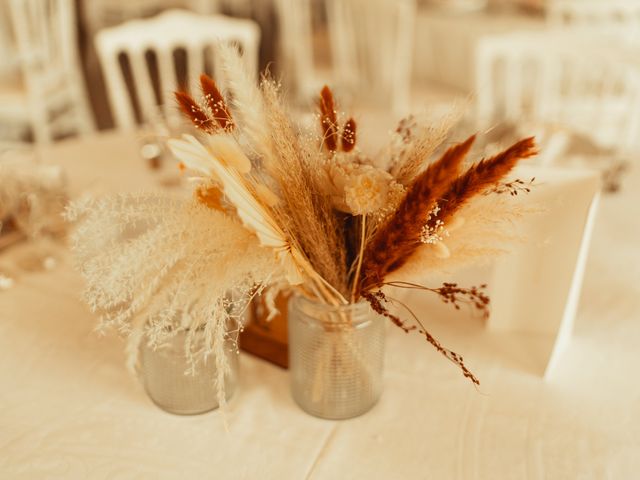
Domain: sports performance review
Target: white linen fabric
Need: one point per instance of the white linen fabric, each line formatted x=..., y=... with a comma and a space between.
x=70, y=410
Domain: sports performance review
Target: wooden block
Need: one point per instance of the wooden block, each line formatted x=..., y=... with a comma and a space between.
x=267, y=339
x=9, y=233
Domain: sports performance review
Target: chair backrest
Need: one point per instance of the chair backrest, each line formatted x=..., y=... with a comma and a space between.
x=371, y=44
x=151, y=48
x=545, y=77
x=372, y=48
x=45, y=34
x=99, y=14
x=594, y=12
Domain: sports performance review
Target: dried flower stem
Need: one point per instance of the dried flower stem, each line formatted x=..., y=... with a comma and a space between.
x=356, y=277
x=453, y=294
x=513, y=188
x=377, y=301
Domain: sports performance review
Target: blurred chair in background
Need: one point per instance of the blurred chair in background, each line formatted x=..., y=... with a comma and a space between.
x=9, y=63
x=297, y=53
x=205, y=7
x=9, y=77
x=50, y=97
x=101, y=14
x=596, y=13
x=371, y=45
x=151, y=48
x=544, y=81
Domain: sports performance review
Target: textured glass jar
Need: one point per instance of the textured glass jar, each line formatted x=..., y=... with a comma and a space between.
x=168, y=382
x=336, y=357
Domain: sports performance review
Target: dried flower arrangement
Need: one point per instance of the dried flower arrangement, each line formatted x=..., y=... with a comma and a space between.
x=275, y=207
x=32, y=197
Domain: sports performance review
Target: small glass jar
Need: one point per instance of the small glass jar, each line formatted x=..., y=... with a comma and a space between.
x=336, y=357
x=171, y=383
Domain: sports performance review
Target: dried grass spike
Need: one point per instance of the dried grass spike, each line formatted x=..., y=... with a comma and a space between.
x=216, y=103
x=395, y=242
x=482, y=176
x=194, y=112
x=328, y=119
x=348, y=140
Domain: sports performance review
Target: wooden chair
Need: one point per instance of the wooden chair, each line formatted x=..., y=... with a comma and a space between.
x=50, y=97
x=150, y=92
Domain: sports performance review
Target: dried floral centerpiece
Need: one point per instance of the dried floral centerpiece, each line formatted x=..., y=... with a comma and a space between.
x=32, y=198
x=277, y=207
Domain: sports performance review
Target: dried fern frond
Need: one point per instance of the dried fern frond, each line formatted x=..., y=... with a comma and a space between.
x=395, y=242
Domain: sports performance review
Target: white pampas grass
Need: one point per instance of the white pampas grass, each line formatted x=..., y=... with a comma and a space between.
x=250, y=209
x=484, y=229
x=247, y=101
x=149, y=260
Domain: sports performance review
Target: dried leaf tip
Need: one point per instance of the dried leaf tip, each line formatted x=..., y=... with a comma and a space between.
x=328, y=119
x=216, y=103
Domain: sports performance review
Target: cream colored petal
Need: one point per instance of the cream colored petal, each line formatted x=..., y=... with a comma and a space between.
x=266, y=195
x=225, y=148
x=190, y=152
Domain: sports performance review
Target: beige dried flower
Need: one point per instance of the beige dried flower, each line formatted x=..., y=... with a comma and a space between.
x=357, y=187
x=367, y=191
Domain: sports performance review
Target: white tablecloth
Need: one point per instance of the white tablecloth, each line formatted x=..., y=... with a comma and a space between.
x=70, y=410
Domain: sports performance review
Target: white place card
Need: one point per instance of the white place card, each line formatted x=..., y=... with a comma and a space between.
x=535, y=289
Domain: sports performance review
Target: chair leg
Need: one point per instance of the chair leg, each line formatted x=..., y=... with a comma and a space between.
x=82, y=111
x=84, y=118
x=41, y=127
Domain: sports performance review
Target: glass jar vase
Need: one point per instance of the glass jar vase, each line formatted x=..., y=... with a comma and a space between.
x=336, y=357
x=177, y=388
